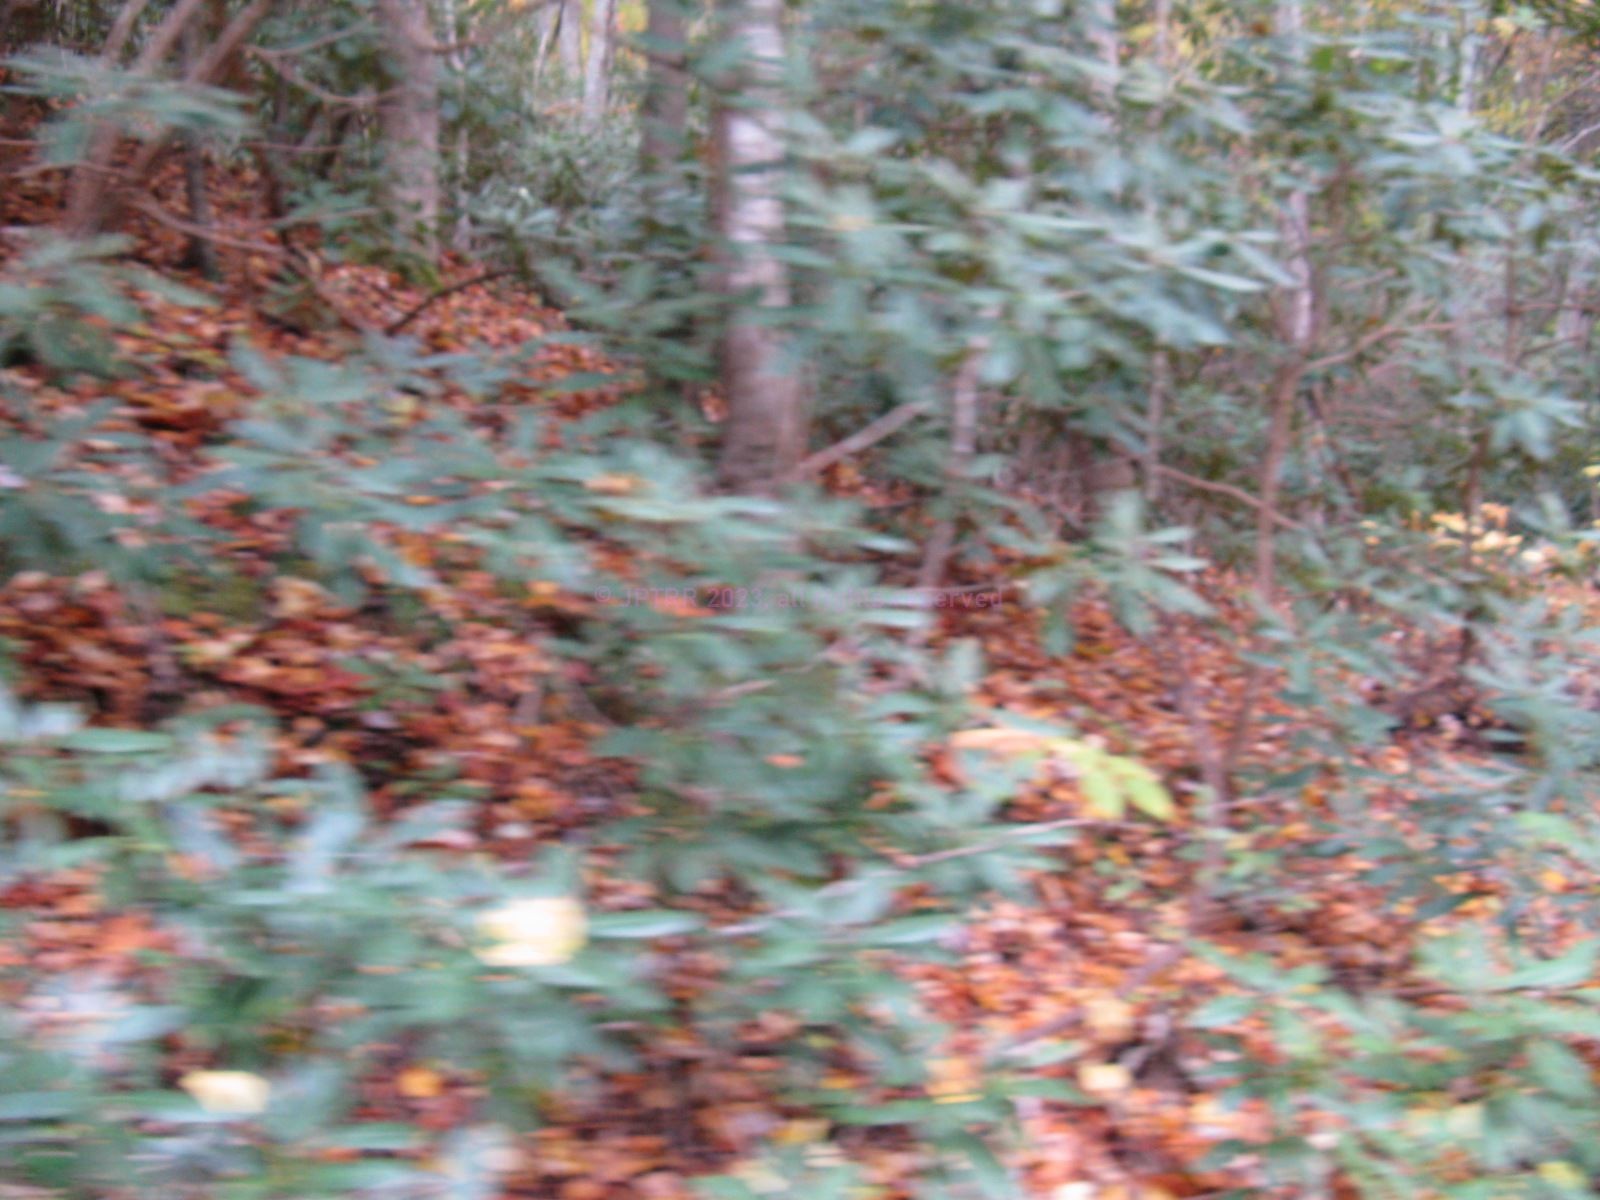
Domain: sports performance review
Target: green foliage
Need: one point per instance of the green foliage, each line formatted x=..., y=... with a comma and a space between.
x=972, y=193
x=1479, y=1090
x=770, y=760
x=60, y=301
x=104, y=99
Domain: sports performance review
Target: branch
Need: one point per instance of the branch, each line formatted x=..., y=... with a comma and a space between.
x=1226, y=489
x=416, y=310
x=334, y=99
x=151, y=209
x=869, y=435
x=337, y=35
x=227, y=43
x=165, y=36
x=1372, y=339
x=120, y=31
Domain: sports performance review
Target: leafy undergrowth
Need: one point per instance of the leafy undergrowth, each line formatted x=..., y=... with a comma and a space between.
x=369, y=637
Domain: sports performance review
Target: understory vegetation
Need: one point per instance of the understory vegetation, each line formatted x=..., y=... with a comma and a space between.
x=837, y=599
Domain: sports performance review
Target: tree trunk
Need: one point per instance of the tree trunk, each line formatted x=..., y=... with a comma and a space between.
x=201, y=254
x=569, y=37
x=461, y=238
x=767, y=411
x=666, y=94
x=408, y=118
x=597, y=71
x=1467, y=52
x=1107, y=43
x=1296, y=313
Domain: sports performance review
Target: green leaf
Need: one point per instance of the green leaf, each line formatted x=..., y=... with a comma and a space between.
x=38, y=1106
x=116, y=741
x=650, y=923
x=1222, y=1011
x=1146, y=793
x=1561, y=1071
x=1571, y=969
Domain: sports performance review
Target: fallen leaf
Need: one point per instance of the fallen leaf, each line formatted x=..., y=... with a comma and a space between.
x=227, y=1091
x=536, y=931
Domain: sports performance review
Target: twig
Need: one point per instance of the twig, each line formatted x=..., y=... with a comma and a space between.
x=1225, y=489
x=869, y=435
x=417, y=309
x=151, y=209
x=1366, y=343
x=361, y=100
x=1162, y=958
x=327, y=39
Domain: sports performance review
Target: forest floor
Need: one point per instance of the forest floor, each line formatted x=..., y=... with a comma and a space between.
x=1100, y=958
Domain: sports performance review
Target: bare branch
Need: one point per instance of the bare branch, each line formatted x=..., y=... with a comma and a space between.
x=869, y=435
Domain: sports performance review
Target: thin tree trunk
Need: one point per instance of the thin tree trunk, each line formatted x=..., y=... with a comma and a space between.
x=569, y=38
x=1155, y=416
x=768, y=416
x=963, y=444
x=1296, y=322
x=597, y=71
x=549, y=26
x=1104, y=36
x=666, y=94
x=94, y=186
x=461, y=238
x=408, y=117
x=92, y=181
x=201, y=254
x=1467, y=63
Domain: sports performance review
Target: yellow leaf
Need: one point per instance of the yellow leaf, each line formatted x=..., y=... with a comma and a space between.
x=612, y=485
x=953, y=1081
x=536, y=931
x=1562, y=1173
x=1104, y=1079
x=1110, y=1018
x=227, y=1091
x=801, y=1132
x=419, y=1083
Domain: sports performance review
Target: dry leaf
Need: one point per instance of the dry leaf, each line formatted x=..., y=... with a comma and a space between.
x=227, y=1091
x=536, y=931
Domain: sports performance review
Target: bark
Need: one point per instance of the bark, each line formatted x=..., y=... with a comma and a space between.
x=1296, y=311
x=408, y=119
x=1104, y=37
x=666, y=94
x=602, y=48
x=963, y=444
x=768, y=415
x=549, y=24
x=1467, y=61
x=201, y=253
x=92, y=181
x=569, y=37
x=95, y=187
x=461, y=238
